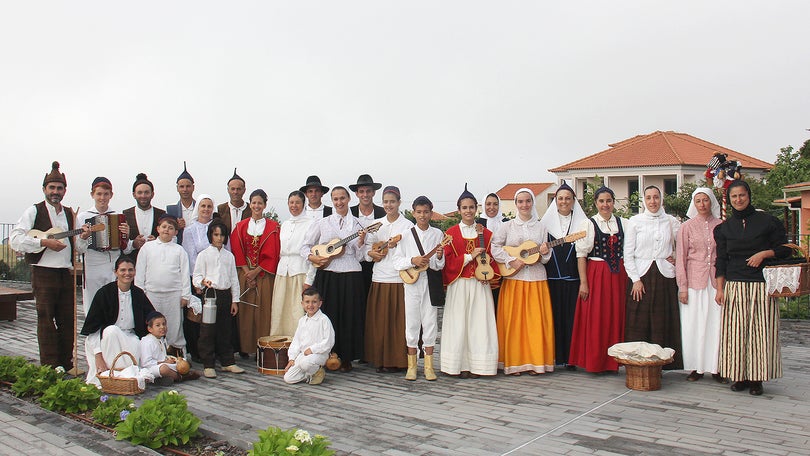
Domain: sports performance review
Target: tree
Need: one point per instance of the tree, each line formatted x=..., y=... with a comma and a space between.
x=791, y=167
x=676, y=205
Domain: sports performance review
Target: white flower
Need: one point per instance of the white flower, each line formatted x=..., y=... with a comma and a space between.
x=173, y=392
x=302, y=436
x=60, y=370
x=292, y=449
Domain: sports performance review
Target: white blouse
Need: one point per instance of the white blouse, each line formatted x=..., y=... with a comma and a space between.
x=385, y=270
x=649, y=238
x=293, y=232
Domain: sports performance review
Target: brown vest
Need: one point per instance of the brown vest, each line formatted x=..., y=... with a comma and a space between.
x=42, y=222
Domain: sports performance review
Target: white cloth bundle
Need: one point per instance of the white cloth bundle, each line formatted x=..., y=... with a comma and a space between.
x=640, y=351
x=143, y=375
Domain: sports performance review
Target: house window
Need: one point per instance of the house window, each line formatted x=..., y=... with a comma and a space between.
x=670, y=186
x=632, y=187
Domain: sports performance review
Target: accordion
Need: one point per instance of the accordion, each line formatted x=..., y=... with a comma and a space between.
x=110, y=238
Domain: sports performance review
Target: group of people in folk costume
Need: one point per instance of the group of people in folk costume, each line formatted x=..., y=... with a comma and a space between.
x=589, y=283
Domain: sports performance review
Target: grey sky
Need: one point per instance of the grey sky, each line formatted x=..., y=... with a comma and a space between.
x=423, y=95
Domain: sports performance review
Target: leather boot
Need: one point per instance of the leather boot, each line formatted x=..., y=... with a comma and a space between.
x=411, y=374
x=430, y=374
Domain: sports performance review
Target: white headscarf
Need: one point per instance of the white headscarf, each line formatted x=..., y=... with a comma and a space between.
x=649, y=214
x=493, y=223
x=692, y=212
x=196, y=212
x=551, y=219
x=534, y=217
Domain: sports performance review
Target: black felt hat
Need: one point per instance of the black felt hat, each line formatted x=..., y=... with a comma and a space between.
x=185, y=174
x=314, y=181
x=365, y=180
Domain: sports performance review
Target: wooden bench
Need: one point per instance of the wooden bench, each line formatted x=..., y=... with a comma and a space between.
x=8, y=302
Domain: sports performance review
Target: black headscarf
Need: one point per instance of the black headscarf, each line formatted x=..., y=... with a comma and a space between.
x=750, y=209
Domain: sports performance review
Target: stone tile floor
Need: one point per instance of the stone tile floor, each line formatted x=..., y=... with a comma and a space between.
x=366, y=413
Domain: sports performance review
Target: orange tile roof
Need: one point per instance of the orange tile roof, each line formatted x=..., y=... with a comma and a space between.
x=507, y=192
x=660, y=148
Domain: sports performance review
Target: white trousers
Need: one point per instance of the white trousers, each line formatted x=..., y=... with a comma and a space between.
x=419, y=314
x=95, y=277
x=305, y=366
x=168, y=303
x=114, y=340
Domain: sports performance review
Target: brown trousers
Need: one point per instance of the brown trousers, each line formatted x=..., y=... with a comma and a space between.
x=53, y=291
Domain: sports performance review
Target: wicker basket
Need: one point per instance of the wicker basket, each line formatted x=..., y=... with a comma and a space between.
x=643, y=375
x=191, y=316
x=804, y=274
x=118, y=385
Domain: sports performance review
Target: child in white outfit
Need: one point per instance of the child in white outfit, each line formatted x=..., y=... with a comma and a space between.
x=311, y=343
x=153, y=350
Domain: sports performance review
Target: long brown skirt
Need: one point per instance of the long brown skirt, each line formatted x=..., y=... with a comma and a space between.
x=657, y=317
x=385, y=325
x=254, y=322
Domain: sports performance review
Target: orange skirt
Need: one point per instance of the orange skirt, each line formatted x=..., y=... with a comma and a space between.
x=525, y=327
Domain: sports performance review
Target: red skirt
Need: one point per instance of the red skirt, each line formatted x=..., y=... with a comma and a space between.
x=599, y=320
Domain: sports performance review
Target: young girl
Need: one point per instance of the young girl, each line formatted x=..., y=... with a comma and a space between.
x=469, y=336
x=216, y=269
x=153, y=351
x=163, y=273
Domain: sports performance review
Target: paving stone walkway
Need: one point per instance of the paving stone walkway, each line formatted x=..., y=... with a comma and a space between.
x=366, y=413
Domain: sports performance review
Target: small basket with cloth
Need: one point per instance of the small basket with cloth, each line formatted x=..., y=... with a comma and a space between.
x=125, y=386
x=788, y=278
x=642, y=363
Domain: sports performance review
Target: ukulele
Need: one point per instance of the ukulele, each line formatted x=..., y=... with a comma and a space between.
x=411, y=275
x=57, y=233
x=483, y=270
x=382, y=247
x=529, y=252
x=334, y=247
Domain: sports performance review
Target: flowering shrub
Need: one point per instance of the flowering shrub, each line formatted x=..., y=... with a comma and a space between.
x=276, y=442
x=70, y=396
x=110, y=410
x=164, y=420
x=9, y=366
x=33, y=380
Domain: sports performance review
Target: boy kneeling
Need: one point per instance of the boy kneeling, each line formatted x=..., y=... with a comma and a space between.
x=311, y=343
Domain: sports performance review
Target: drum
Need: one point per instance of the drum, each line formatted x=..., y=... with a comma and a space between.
x=271, y=354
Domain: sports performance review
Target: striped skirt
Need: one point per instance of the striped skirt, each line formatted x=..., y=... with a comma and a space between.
x=749, y=339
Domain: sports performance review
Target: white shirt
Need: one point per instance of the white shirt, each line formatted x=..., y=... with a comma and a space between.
x=469, y=232
x=236, y=213
x=384, y=270
x=256, y=227
x=649, y=238
x=326, y=229
x=407, y=249
x=153, y=351
x=144, y=219
x=514, y=233
x=290, y=263
x=188, y=212
x=218, y=266
x=314, y=214
x=195, y=240
x=21, y=242
x=125, y=321
x=163, y=267
x=365, y=220
x=314, y=333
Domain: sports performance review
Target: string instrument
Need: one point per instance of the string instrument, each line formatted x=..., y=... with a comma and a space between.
x=483, y=270
x=382, y=247
x=529, y=251
x=57, y=233
x=411, y=275
x=334, y=247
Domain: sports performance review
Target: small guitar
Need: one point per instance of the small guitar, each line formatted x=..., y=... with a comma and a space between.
x=57, y=233
x=411, y=275
x=334, y=247
x=483, y=270
x=382, y=247
x=529, y=251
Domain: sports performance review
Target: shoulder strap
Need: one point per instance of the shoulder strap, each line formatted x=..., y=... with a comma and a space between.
x=418, y=242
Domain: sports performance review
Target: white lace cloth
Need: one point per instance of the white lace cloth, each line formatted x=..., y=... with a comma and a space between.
x=783, y=277
x=640, y=351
